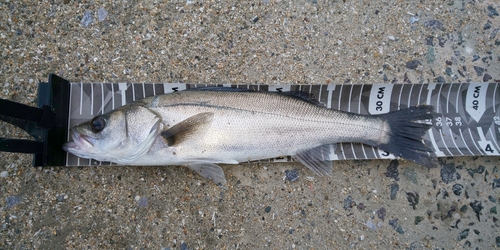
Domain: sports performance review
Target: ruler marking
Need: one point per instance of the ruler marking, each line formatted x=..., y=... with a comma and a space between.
x=420, y=93
x=494, y=141
x=400, y=94
x=340, y=95
x=349, y=102
x=448, y=99
x=364, y=152
x=458, y=95
x=133, y=92
x=473, y=142
x=123, y=87
x=330, y=89
x=353, y=151
x=112, y=96
x=494, y=97
x=81, y=97
x=359, y=101
x=409, y=96
x=444, y=142
x=454, y=142
x=91, y=99
x=377, y=156
x=342, y=150
x=465, y=143
x=102, y=98
x=438, y=102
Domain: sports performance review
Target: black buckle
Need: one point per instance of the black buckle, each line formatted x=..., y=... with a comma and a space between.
x=47, y=123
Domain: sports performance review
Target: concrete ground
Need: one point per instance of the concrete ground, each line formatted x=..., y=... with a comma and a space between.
x=375, y=204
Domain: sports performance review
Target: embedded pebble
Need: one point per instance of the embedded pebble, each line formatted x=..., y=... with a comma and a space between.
x=433, y=24
x=102, y=14
x=143, y=201
x=371, y=225
x=487, y=77
x=381, y=213
x=394, y=190
x=413, y=64
x=349, y=203
x=448, y=173
x=496, y=183
x=12, y=201
x=414, y=19
x=464, y=234
x=413, y=198
x=292, y=175
x=492, y=11
x=392, y=170
x=479, y=70
x=477, y=206
x=87, y=18
x=268, y=209
x=457, y=189
x=4, y=174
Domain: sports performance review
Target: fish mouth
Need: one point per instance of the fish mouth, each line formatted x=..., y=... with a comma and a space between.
x=79, y=143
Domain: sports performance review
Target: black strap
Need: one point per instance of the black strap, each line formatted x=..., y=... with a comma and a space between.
x=21, y=146
x=43, y=117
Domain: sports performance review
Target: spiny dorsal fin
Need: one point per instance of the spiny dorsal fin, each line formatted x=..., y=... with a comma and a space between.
x=187, y=128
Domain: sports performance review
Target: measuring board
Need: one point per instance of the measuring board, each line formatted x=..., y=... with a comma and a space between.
x=467, y=122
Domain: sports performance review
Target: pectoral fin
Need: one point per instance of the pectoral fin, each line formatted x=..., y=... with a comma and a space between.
x=188, y=128
x=317, y=159
x=210, y=171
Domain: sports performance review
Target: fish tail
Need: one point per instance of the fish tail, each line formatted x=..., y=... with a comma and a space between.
x=406, y=132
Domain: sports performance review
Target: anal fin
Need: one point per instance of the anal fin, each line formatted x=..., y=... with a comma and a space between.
x=317, y=159
x=210, y=171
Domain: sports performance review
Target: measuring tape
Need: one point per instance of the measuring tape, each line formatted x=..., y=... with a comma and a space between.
x=467, y=121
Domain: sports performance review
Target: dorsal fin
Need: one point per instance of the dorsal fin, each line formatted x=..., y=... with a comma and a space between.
x=303, y=96
x=221, y=89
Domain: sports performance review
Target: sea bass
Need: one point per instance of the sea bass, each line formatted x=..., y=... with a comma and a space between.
x=203, y=127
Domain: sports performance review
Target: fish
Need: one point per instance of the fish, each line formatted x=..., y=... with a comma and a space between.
x=202, y=128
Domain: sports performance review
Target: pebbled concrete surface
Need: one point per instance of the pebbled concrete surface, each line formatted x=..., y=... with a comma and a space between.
x=367, y=204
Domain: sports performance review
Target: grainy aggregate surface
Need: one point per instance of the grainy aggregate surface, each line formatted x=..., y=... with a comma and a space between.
x=365, y=205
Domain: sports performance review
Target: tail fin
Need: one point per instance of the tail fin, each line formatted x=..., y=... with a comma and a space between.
x=405, y=136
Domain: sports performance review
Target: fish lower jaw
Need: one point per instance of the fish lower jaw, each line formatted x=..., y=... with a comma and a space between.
x=70, y=147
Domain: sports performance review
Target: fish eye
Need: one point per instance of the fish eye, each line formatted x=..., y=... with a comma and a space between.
x=97, y=124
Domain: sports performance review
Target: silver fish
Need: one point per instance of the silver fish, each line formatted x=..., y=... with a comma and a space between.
x=204, y=127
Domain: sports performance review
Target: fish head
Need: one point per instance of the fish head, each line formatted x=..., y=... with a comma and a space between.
x=121, y=136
